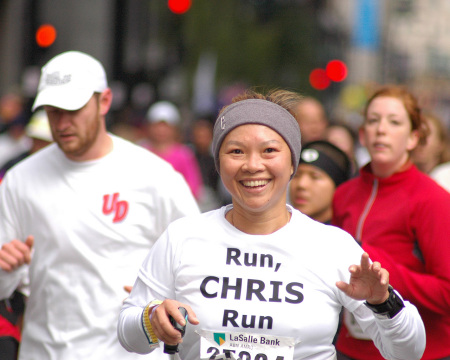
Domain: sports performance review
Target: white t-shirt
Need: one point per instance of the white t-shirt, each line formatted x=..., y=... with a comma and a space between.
x=93, y=223
x=441, y=174
x=282, y=285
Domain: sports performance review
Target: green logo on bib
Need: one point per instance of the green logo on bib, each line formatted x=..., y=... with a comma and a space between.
x=219, y=338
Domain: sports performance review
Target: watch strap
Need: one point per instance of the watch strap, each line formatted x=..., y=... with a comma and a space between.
x=391, y=307
x=147, y=326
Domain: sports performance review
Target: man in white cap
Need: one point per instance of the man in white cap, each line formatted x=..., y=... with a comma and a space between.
x=78, y=218
x=38, y=131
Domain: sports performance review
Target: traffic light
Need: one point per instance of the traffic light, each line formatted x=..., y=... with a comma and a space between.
x=336, y=70
x=45, y=35
x=318, y=79
x=179, y=6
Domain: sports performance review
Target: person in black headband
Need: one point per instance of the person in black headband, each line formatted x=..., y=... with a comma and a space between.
x=322, y=168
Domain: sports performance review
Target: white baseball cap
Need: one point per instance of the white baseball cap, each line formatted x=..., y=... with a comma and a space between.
x=38, y=127
x=69, y=80
x=163, y=111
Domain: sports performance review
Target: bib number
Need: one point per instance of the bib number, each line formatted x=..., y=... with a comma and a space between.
x=243, y=355
x=244, y=346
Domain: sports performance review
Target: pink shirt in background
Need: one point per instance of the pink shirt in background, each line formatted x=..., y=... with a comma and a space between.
x=183, y=160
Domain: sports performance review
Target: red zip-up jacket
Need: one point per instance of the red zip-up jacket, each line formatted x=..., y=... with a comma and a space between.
x=403, y=222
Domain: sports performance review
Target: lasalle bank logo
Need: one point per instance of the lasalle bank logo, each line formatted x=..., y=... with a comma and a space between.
x=111, y=204
x=219, y=338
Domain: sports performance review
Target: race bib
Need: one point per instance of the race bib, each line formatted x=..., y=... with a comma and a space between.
x=244, y=346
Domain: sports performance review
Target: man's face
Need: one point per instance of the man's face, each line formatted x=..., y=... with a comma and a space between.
x=312, y=121
x=76, y=132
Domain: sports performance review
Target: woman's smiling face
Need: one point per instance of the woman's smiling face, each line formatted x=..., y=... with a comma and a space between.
x=255, y=167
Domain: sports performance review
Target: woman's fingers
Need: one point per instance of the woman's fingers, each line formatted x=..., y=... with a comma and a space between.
x=365, y=261
x=161, y=324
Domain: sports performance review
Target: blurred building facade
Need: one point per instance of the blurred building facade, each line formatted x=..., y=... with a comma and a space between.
x=407, y=43
x=145, y=48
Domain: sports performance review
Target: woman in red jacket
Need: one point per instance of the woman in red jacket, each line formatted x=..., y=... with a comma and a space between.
x=400, y=216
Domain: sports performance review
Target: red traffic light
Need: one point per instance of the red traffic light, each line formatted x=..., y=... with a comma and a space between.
x=336, y=70
x=45, y=35
x=318, y=79
x=179, y=6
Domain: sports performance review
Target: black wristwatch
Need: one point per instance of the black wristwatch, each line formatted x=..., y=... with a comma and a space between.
x=391, y=307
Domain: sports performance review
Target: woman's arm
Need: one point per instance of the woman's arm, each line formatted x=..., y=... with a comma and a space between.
x=394, y=325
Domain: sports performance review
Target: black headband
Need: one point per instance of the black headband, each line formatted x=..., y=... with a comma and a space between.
x=321, y=160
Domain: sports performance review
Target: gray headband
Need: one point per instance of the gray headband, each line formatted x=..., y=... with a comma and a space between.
x=261, y=112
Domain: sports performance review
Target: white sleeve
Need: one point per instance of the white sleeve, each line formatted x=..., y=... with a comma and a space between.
x=129, y=330
x=11, y=281
x=154, y=282
x=9, y=230
x=179, y=195
x=399, y=338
